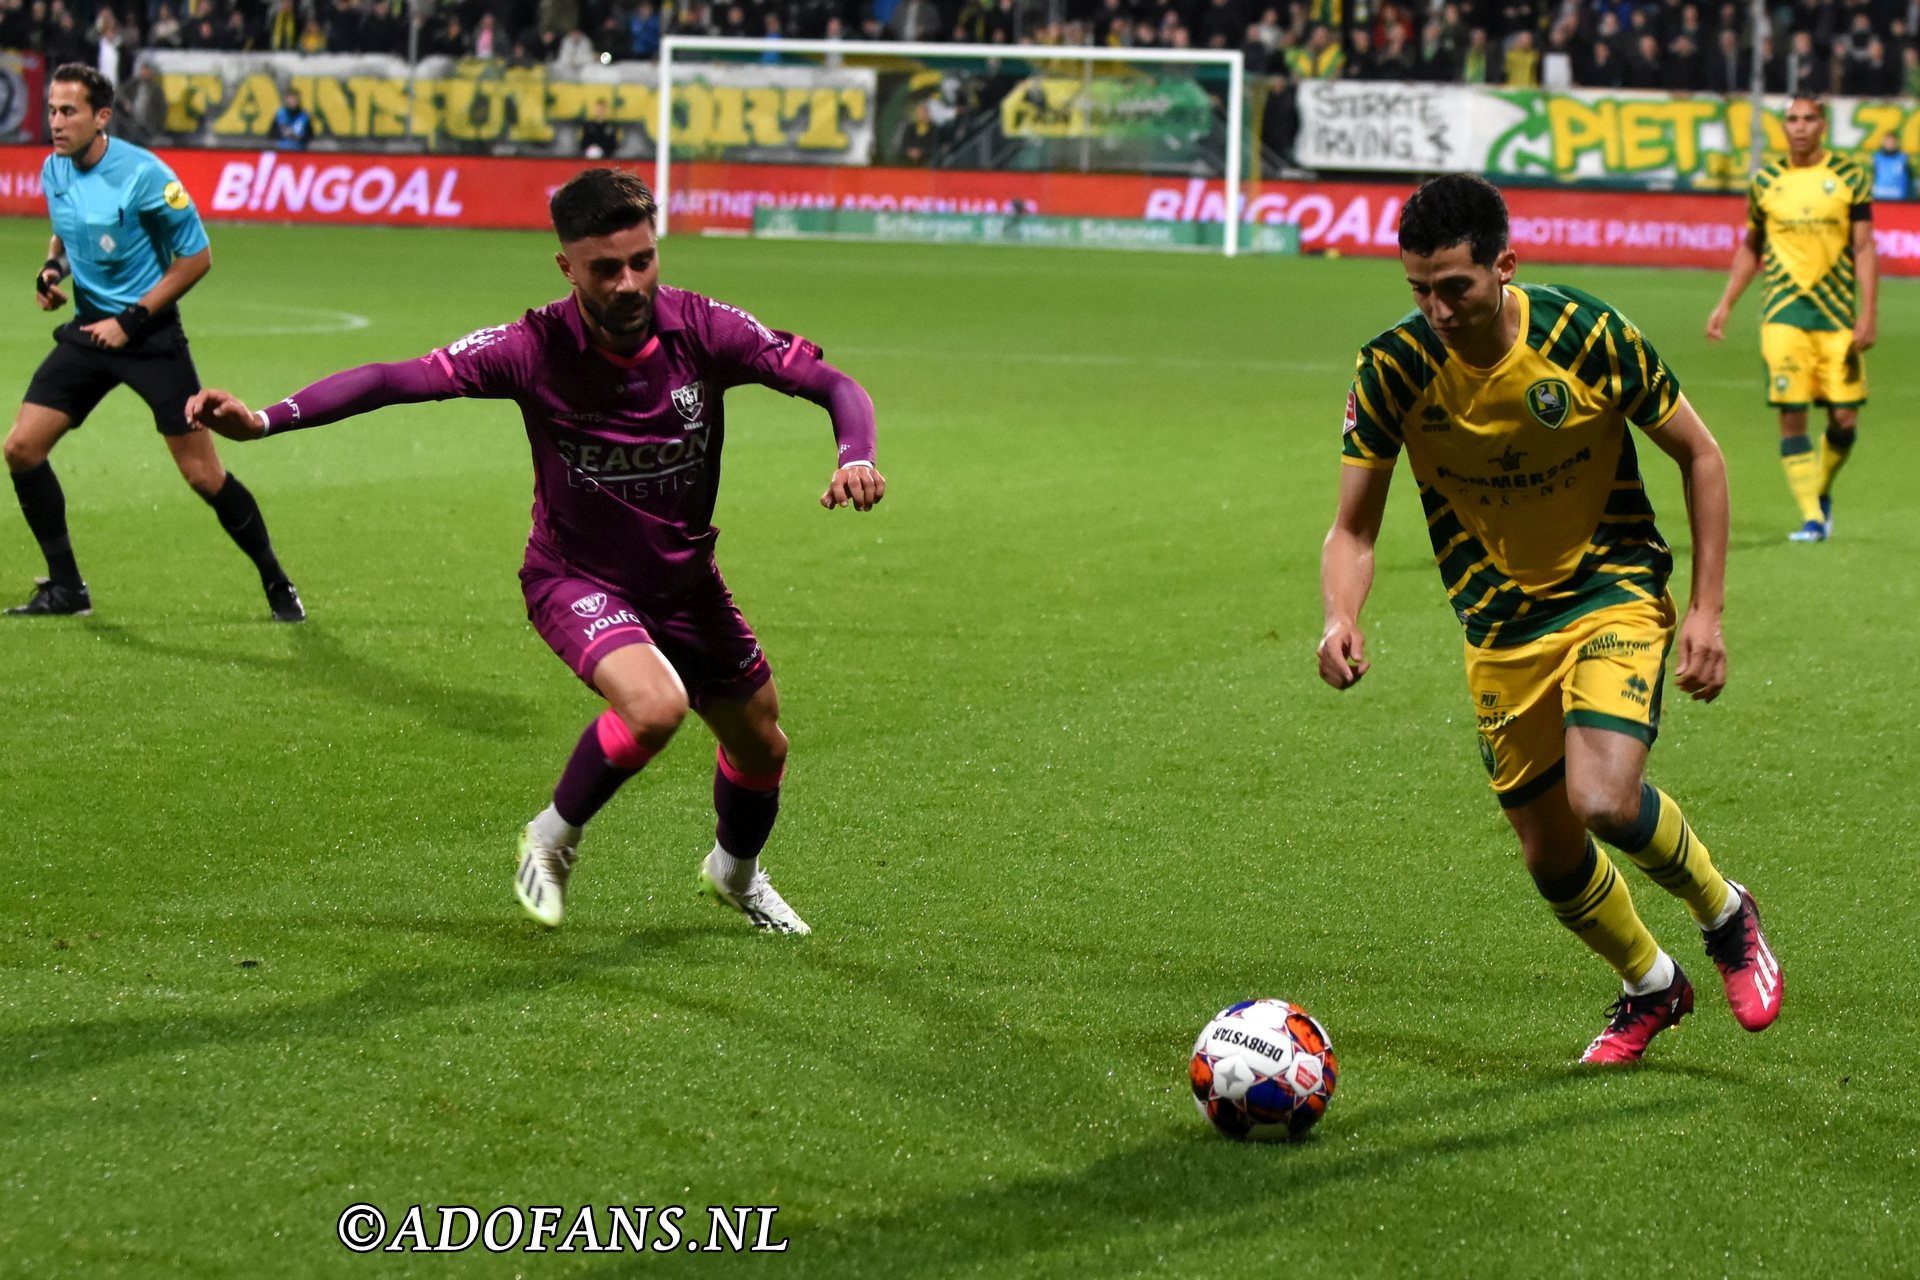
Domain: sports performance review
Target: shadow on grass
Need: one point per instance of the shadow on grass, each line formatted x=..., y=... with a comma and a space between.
x=35, y=1054
x=1113, y=1211
x=317, y=659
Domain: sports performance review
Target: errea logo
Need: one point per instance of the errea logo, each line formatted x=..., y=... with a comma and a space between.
x=589, y=606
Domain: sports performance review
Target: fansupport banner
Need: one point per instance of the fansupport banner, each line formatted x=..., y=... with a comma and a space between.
x=1615, y=138
x=369, y=102
x=1358, y=218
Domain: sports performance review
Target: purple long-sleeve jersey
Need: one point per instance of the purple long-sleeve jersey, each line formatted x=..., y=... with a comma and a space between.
x=626, y=450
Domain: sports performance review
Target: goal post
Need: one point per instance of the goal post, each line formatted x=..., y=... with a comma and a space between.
x=679, y=55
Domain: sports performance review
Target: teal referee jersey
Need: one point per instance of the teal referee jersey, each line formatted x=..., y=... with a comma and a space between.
x=123, y=222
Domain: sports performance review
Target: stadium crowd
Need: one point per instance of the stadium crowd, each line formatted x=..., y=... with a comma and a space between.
x=1860, y=47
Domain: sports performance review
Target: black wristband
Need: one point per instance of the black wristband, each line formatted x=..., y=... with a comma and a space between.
x=133, y=320
x=54, y=265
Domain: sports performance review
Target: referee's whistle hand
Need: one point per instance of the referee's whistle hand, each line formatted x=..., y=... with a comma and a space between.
x=107, y=333
x=51, y=299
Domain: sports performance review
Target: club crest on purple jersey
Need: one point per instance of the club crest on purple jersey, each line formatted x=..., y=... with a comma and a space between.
x=690, y=400
x=589, y=606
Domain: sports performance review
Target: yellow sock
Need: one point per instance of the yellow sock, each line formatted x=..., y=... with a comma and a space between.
x=1833, y=455
x=1803, y=468
x=1596, y=904
x=1663, y=845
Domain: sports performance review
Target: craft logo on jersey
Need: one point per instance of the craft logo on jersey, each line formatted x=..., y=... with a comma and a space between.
x=477, y=339
x=689, y=400
x=590, y=606
x=1548, y=401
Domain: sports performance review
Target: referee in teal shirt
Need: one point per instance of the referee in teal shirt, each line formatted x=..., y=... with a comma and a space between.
x=127, y=231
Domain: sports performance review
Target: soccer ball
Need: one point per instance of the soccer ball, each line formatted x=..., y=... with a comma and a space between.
x=1263, y=1069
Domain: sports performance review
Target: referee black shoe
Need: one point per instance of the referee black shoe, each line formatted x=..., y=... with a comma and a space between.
x=54, y=599
x=284, y=600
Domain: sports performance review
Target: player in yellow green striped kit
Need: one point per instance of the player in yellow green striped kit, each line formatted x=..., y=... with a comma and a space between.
x=1512, y=404
x=1811, y=233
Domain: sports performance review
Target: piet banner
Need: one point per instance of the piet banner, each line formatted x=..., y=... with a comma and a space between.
x=1549, y=225
x=1692, y=142
x=745, y=112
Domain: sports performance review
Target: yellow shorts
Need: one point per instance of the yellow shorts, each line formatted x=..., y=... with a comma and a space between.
x=1810, y=366
x=1603, y=670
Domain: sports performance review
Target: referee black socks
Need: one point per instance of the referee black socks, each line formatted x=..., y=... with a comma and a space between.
x=240, y=516
x=45, y=507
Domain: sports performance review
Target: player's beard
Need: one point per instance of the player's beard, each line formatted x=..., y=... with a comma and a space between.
x=632, y=325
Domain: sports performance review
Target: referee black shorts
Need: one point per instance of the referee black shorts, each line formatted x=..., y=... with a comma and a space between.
x=78, y=373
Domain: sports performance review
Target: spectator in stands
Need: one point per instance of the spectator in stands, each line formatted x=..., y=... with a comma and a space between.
x=201, y=33
x=65, y=41
x=576, y=53
x=1804, y=72
x=283, y=27
x=345, y=27
x=313, y=37
x=915, y=143
x=1682, y=69
x=556, y=18
x=1879, y=75
x=643, y=31
x=1603, y=68
x=1910, y=72
x=1321, y=58
x=1358, y=63
x=599, y=136
x=1728, y=70
x=1473, y=63
x=143, y=105
x=291, y=128
x=1556, y=64
x=1520, y=68
x=914, y=20
x=1221, y=19
x=1432, y=53
x=1280, y=120
x=16, y=30
x=1396, y=59
x=1841, y=77
x=106, y=43
x=237, y=36
x=487, y=40
x=1643, y=69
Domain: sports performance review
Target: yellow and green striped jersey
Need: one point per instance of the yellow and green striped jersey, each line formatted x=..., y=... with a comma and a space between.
x=1806, y=215
x=1526, y=470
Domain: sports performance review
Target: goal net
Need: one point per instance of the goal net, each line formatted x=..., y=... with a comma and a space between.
x=947, y=142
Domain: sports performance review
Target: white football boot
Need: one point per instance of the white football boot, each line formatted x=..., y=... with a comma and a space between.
x=759, y=902
x=541, y=880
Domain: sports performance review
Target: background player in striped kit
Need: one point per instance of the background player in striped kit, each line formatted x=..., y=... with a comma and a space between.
x=1810, y=229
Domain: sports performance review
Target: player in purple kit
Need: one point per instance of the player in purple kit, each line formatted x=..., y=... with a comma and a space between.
x=620, y=385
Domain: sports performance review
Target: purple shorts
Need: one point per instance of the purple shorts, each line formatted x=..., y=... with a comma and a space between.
x=699, y=632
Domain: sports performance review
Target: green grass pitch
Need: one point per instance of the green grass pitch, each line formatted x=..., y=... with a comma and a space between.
x=1063, y=784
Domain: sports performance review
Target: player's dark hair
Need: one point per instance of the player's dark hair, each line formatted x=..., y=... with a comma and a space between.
x=1819, y=102
x=1455, y=208
x=599, y=202
x=99, y=88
